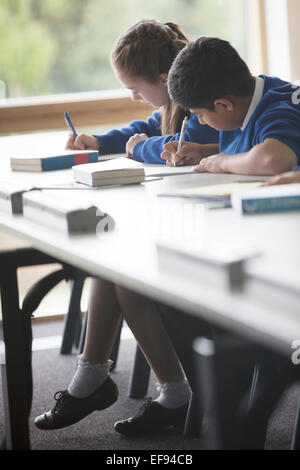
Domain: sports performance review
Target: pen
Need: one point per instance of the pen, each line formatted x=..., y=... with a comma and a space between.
x=183, y=127
x=69, y=123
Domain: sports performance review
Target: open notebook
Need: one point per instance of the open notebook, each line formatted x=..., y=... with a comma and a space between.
x=111, y=156
x=212, y=191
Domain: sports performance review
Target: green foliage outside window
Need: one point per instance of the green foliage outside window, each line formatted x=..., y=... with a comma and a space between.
x=63, y=46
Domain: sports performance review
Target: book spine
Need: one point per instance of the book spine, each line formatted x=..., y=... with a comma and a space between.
x=67, y=161
x=273, y=204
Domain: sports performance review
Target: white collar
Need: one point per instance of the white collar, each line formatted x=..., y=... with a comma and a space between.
x=258, y=92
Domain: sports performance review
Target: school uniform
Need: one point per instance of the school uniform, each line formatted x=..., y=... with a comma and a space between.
x=149, y=150
x=274, y=113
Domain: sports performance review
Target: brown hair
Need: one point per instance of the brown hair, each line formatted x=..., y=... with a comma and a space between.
x=146, y=50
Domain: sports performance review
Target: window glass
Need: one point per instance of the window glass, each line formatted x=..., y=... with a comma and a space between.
x=55, y=46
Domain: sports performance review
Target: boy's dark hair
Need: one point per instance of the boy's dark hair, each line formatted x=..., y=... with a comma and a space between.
x=205, y=70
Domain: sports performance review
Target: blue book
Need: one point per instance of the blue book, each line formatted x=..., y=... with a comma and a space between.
x=58, y=161
x=277, y=198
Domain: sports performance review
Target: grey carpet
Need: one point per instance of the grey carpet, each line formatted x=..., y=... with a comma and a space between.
x=52, y=372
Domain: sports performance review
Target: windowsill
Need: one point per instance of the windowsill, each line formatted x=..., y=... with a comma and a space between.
x=87, y=109
x=64, y=98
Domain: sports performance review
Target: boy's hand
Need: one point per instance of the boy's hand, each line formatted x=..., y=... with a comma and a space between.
x=284, y=178
x=189, y=154
x=212, y=164
x=82, y=142
x=133, y=141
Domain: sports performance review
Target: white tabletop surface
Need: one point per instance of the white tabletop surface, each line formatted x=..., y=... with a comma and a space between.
x=267, y=309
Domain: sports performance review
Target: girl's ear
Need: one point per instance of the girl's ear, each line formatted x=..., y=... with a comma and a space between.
x=163, y=78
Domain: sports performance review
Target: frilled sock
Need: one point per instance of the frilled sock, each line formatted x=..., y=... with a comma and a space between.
x=174, y=394
x=87, y=378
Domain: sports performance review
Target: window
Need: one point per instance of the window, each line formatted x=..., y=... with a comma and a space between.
x=53, y=46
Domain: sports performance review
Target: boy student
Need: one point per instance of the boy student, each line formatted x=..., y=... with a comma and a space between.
x=258, y=120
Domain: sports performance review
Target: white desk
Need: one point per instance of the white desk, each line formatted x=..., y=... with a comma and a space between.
x=266, y=310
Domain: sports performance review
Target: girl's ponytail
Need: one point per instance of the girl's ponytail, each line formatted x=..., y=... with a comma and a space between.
x=160, y=42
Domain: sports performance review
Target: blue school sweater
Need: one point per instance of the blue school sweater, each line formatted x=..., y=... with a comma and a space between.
x=276, y=116
x=149, y=150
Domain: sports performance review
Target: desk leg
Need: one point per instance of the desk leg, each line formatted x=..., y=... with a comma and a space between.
x=73, y=319
x=274, y=375
x=296, y=435
x=17, y=373
x=239, y=419
x=224, y=370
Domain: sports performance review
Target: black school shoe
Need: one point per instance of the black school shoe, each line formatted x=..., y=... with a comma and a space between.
x=151, y=418
x=69, y=410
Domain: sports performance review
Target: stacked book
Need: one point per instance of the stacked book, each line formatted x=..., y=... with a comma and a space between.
x=58, y=161
x=117, y=171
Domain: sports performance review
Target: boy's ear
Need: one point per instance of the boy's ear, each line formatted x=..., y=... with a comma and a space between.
x=163, y=78
x=224, y=104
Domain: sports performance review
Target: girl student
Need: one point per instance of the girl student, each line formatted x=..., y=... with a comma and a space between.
x=141, y=59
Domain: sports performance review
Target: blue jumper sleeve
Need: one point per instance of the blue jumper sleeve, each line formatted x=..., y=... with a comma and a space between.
x=282, y=124
x=115, y=140
x=149, y=150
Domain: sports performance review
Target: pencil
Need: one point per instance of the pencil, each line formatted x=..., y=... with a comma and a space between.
x=69, y=124
x=183, y=127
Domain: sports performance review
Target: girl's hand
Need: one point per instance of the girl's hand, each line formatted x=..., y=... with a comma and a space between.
x=82, y=142
x=133, y=141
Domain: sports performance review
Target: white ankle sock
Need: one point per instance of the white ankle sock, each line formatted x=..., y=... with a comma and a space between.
x=87, y=378
x=173, y=394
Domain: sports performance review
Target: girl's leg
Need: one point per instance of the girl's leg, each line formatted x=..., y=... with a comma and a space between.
x=104, y=317
x=144, y=321
x=91, y=387
x=170, y=408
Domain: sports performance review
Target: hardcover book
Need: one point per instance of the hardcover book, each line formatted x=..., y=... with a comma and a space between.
x=57, y=161
x=284, y=197
x=117, y=171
